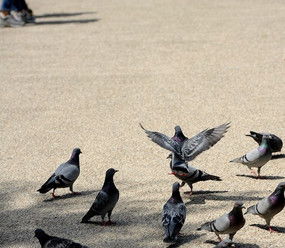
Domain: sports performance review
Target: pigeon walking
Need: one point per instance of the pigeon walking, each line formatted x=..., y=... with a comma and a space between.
x=188, y=174
x=64, y=176
x=174, y=215
x=274, y=142
x=269, y=206
x=228, y=223
x=105, y=201
x=257, y=157
x=48, y=241
x=186, y=148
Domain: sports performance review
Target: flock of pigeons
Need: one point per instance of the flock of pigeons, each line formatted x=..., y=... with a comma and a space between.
x=182, y=150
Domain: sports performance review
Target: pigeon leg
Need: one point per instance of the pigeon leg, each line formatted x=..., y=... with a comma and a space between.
x=253, y=172
x=231, y=236
x=189, y=193
x=103, y=223
x=219, y=238
x=271, y=230
x=53, y=195
x=109, y=222
x=73, y=192
x=258, y=172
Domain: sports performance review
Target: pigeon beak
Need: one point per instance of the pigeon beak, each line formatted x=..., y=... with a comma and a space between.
x=116, y=171
x=172, y=173
x=169, y=156
x=249, y=135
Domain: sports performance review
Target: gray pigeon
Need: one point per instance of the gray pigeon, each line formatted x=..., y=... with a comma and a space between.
x=257, y=157
x=173, y=215
x=64, y=176
x=186, y=148
x=48, y=241
x=105, y=201
x=228, y=223
x=275, y=142
x=269, y=206
x=188, y=174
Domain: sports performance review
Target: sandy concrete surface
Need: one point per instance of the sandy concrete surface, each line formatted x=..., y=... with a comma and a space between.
x=90, y=71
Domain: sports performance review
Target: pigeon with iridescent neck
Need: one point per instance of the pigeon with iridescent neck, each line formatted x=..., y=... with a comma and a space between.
x=227, y=224
x=64, y=176
x=48, y=241
x=186, y=148
x=275, y=142
x=188, y=174
x=257, y=157
x=173, y=216
x=269, y=206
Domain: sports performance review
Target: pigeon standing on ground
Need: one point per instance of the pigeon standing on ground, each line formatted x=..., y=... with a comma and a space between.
x=174, y=215
x=257, y=157
x=228, y=223
x=269, y=206
x=48, y=241
x=186, y=148
x=188, y=174
x=274, y=142
x=64, y=176
x=105, y=201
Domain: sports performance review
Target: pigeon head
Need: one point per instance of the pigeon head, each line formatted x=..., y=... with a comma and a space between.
x=238, y=205
x=39, y=233
x=281, y=185
x=74, y=159
x=76, y=151
x=178, y=136
x=169, y=156
x=110, y=172
x=175, y=187
x=175, y=192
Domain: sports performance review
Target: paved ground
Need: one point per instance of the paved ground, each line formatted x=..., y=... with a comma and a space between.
x=90, y=71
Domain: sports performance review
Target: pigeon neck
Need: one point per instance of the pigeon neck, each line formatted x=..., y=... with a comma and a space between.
x=74, y=159
x=237, y=212
x=109, y=182
x=176, y=196
x=179, y=136
x=279, y=192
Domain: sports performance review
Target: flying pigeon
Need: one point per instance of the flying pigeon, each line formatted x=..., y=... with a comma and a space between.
x=269, y=206
x=64, y=176
x=186, y=148
x=48, y=241
x=173, y=215
x=274, y=142
x=105, y=201
x=257, y=157
x=228, y=223
x=187, y=173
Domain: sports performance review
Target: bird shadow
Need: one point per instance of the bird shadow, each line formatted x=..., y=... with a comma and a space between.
x=277, y=156
x=81, y=21
x=277, y=229
x=63, y=14
x=262, y=177
x=185, y=239
x=201, y=192
x=70, y=195
x=236, y=245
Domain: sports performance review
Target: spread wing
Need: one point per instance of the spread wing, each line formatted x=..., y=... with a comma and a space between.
x=203, y=141
x=163, y=140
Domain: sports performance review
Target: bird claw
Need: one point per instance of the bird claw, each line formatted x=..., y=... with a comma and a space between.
x=272, y=230
x=54, y=196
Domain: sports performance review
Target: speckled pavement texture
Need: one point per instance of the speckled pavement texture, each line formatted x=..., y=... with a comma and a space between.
x=90, y=71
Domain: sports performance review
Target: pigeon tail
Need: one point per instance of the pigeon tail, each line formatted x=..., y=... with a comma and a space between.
x=169, y=239
x=236, y=160
x=47, y=186
x=206, y=226
x=207, y=177
x=251, y=210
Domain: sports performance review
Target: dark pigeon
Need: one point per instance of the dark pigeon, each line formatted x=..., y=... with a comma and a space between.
x=48, y=241
x=228, y=223
x=269, y=206
x=105, y=201
x=256, y=157
x=188, y=174
x=173, y=216
x=274, y=142
x=186, y=148
x=64, y=176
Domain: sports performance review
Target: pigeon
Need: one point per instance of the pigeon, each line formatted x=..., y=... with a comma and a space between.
x=64, y=176
x=269, y=206
x=186, y=148
x=274, y=142
x=173, y=215
x=105, y=201
x=228, y=223
x=257, y=157
x=48, y=241
x=187, y=173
